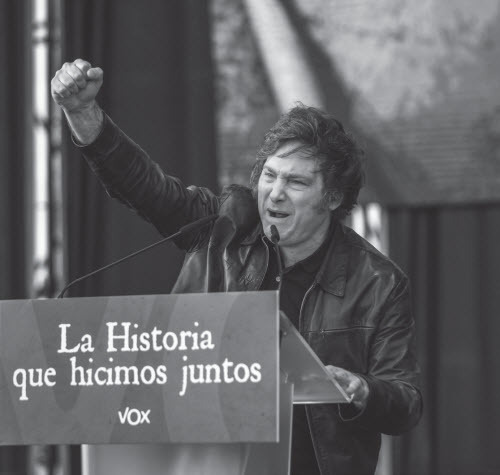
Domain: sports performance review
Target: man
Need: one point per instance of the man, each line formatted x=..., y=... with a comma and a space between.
x=350, y=302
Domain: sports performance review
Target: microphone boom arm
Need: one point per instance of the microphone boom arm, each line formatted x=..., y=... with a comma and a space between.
x=188, y=227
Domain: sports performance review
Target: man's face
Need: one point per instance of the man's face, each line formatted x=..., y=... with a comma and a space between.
x=290, y=195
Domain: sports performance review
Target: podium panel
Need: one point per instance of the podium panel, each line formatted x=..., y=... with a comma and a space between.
x=139, y=369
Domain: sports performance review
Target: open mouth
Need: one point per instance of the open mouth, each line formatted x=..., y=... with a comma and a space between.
x=277, y=214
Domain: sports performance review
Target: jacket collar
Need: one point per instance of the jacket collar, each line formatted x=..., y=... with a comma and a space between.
x=256, y=233
x=332, y=275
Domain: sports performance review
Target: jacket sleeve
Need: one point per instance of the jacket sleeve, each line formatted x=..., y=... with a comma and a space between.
x=394, y=403
x=130, y=176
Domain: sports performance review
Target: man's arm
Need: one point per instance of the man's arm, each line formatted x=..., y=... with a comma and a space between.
x=125, y=169
x=74, y=87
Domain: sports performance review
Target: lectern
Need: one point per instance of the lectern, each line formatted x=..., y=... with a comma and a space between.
x=190, y=383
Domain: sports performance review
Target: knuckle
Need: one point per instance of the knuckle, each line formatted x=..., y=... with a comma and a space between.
x=76, y=73
x=81, y=63
x=63, y=79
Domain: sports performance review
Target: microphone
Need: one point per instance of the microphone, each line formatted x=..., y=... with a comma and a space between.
x=275, y=239
x=184, y=230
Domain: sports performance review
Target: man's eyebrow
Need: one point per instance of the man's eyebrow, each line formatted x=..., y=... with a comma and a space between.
x=292, y=175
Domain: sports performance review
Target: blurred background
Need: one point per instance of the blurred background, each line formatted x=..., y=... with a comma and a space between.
x=197, y=83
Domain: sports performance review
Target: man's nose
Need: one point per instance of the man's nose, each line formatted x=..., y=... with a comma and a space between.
x=278, y=191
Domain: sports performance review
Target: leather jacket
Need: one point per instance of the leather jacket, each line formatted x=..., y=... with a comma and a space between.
x=356, y=315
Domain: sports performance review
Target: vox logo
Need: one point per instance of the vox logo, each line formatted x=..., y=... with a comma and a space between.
x=134, y=417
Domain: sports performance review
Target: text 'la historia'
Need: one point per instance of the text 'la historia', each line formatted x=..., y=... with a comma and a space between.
x=121, y=337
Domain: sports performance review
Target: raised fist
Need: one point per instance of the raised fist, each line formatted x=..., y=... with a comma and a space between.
x=75, y=86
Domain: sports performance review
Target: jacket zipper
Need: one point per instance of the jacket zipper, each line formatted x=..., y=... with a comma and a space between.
x=309, y=290
x=308, y=417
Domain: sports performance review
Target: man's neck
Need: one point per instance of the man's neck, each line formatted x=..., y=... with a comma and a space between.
x=296, y=254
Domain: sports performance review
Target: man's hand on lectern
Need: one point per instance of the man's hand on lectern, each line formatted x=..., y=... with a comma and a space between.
x=354, y=386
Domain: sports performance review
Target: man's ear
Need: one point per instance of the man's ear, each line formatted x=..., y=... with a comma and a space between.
x=334, y=200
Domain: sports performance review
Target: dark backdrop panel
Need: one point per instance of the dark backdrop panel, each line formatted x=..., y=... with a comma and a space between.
x=13, y=108
x=452, y=257
x=13, y=119
x=158, y=88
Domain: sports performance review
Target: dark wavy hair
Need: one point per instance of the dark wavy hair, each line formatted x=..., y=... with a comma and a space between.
x=322, y=136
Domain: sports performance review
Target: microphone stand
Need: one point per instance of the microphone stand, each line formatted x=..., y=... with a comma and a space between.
x=275, y=239
x=185, y=229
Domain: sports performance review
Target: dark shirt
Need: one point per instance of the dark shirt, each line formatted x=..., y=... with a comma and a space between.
x=297, y=279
